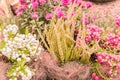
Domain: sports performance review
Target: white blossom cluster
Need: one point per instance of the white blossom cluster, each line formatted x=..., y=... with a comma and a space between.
x=29, y=42
x=21, y=46
x=23, y=76
x=29, y=74
x=10, y=29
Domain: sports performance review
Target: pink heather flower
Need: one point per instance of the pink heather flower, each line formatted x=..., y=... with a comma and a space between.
x=33, y=1
x=93, y=17
x=48, y=16
x=96, y=78
x=118, y=67
x=35, y=16
x=109, y=73
x=19, y=13
x=99, y=59
x=78, y=2
x=23, y=6
x=83, y=5
x=21, y=1
x=89, y=4
x=60, y=14
x=73, y=13
x=110, y=60
x=113, y=40
x=85, y=20
x=88, y=39
x=57, y=8
x=35, y=5
x=93, y=33
x=65, y=2
x=86, y=5
x=117, y=21
x=42, y=2
x=93, y=75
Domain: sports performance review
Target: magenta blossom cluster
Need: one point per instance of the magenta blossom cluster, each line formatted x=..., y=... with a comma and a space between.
x=117, y=21
x=23, y=5
x=26, y=3
x=33, y=6
x=86, y=19
x=95, y=77
x=93, y=33
x=78, y=2
x=86, y=5
x=67, y=2
x=58, y=12
x=112, y=40
x=111, y=62
x=36, y=3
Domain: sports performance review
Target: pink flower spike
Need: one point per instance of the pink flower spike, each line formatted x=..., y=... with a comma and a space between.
x=65, y=2
x=85, y=20
x=42, y=2
x=35, y=16
x=32, y=1
x=117, y=21
x=89, y=4
x=21, y=1
x=48, y=16
x=79, y=2
x=99, y=59
x=96, y=78
x=60, y=14
x=73, y=13
x=57, y=8
x=118, y=67
x=19, y=13
x=23, y=6
x=93, y=75
x=93, y=17
x=35, y=5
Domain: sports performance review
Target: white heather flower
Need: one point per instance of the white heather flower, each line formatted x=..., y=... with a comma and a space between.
x=18, y=59
x=27, y=59
x=10, y=28
x=17, y=46
x=29, y=74
x=14, y=74
x=17, y=69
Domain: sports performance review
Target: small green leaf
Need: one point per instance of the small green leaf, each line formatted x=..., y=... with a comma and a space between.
x=11, y=35
x=26, y=30
x=2, y=44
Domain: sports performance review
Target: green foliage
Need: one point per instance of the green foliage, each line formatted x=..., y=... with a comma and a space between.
x=2, y=44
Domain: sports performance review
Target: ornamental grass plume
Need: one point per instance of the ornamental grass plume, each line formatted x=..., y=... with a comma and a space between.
x=59, y=38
